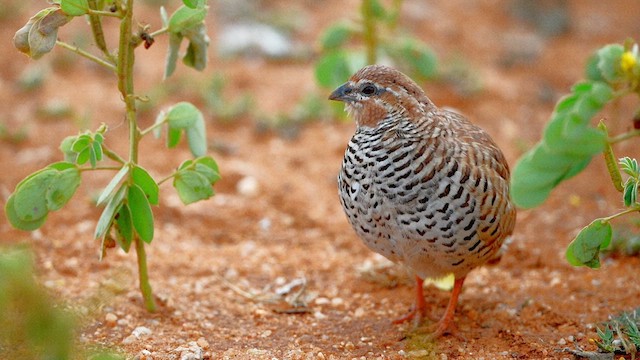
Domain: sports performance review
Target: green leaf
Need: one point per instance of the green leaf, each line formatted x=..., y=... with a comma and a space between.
x=141, y=214
x=629, y=166
x=93, y=158
x=194, y=4
x=16, y=221
x=418, y=56
x=81, y=143
x=568, y=144
x=83, y=156
x=186, y=116
x=197, y=137
x=585, y=248
x=31, y=196
x=192, y=186
x=62, y=187
x=377, y=9
x=592, y=71
x=184, y=18
x=65, y=147
x=110, y=188
x=175, y=39
x=96, y=148
x=208, y=167
x=109, y=212
x=332, y=70
x=609, y=62
x=183, y=115
x=173, y=137
x=62, y=166
x=74, y=7
x=630, y=194
x=335, y=36
x=124, y=228
x=149, y=186
x=196, y=56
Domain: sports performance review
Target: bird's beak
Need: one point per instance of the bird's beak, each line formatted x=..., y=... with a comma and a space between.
x=343, y=93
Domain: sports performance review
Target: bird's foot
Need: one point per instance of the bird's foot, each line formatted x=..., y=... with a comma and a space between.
x=417, y=315
x=444, y=327
x=413, y=314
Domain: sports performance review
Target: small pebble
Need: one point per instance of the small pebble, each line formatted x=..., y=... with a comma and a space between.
x=141, y=331
x=248, y=186
x=145, y=355
x=111, y=319
x=319, y=315
x=203, y=343
x=337, y=301
x=562, y=342
x=129, y=340
x=322, y=301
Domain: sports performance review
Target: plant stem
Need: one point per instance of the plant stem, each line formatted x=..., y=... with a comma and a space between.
x=96, y=29
x=145, y=287
x=624, y=136
x=395, y=15
x=87, y=55
x=114, y=168
x=167, y=178
x=635, y=208
x=151, y=128
x=370, y=36
x=104, y=13
x=126, y=58
x=152, y=35
x=159, y=32
x=111, y=155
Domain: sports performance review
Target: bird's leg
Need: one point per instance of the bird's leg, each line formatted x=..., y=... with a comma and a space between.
x=446, y=324
x=419, y=308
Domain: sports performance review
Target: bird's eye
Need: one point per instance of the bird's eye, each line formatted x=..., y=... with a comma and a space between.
x=369, y=89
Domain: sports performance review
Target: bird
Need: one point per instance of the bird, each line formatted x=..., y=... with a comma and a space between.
x=421, y=185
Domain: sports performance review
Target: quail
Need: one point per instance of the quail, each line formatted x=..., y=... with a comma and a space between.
x=421, y=185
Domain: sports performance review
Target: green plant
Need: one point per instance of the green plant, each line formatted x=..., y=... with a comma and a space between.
x=569, y=142
x=127, y=218
x=30, y=328
x=620, y=334
x=32, y=325
x=379, y=33
x=223, y=108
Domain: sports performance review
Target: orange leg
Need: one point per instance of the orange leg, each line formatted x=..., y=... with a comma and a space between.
x=446, y=324
x=419, y=308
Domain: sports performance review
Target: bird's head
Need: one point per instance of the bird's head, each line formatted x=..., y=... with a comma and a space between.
x=378, y=92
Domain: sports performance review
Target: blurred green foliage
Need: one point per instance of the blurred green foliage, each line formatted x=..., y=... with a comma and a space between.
x=380, y=39
x=31, y=327
x=570, y=141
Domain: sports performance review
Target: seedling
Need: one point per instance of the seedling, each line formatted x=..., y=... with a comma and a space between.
x=569, y=143
x=348, y=46
x=620, y=334
x=127, y=218
x=378, y=32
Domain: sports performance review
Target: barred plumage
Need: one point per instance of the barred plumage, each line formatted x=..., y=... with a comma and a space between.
x=420, y=185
